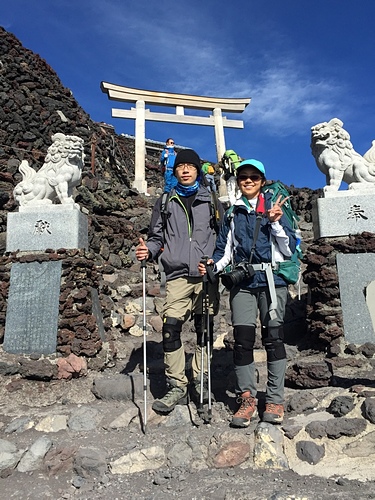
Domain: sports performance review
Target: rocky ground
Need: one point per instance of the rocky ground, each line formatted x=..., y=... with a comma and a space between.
x=85, y=438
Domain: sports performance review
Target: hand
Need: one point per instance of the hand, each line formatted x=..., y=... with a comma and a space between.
x=141, y=252
x=275, y=213
x=202, y=267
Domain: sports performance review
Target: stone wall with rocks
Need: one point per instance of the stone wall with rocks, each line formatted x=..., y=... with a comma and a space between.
x=78, y=331
x=324, y=311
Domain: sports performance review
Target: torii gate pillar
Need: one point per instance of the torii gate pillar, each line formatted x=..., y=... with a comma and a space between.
x=140, y=147
x=219, y=133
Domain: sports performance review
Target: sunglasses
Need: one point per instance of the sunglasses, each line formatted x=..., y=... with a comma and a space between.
x=170, y=143
x=252, y=177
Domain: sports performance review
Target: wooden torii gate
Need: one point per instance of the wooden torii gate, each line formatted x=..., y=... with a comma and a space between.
x=179, y=101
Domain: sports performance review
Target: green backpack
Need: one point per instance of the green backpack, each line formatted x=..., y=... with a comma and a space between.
x=276, y=189
x=290, y=270
x=230, y=161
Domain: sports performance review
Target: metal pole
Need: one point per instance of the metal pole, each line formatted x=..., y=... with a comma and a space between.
x=208, y=347
x=143, y=266
x=205, y=342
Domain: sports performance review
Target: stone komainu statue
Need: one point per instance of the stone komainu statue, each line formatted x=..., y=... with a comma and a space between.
x=336, y=158
x=54, y=182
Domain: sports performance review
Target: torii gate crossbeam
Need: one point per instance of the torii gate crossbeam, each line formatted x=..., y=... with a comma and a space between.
x=179, y=101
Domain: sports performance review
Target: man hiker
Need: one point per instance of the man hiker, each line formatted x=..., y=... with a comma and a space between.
x=185, y=234
x=167, y=159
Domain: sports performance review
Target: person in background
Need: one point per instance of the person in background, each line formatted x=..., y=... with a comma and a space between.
x=209, y=171
x=167, y=159
x=255, y=286
x=186, y=237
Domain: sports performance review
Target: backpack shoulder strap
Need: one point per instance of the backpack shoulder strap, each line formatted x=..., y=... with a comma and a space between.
x=215, y=212
x=230, y=212
x=164, y=217
x=164, y=209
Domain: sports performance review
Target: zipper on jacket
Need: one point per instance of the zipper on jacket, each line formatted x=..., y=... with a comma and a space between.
x=184, y=209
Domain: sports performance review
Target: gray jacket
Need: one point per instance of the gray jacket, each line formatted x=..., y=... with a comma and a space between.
x=184, y=242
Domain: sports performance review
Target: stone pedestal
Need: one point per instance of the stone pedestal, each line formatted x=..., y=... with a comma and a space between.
x=33, y=308
x=47, y=226
x=343, y=213
x=356, y=279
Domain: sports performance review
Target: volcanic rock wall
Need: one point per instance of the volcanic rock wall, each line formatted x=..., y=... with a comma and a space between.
x=34, y=105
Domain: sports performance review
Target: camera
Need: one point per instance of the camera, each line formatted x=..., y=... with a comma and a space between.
x=242, y=271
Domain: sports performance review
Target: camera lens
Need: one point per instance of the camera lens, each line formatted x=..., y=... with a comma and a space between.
x=232, y=279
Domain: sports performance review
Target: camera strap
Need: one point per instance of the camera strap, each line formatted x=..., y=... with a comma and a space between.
x=258, y=220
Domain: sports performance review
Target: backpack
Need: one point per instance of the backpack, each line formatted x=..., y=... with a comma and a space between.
x=207, y=168
x=230, y=161
x=207, y=176
x=290, y=270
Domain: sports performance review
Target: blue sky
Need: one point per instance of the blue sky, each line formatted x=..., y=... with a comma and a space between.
x=301, y=62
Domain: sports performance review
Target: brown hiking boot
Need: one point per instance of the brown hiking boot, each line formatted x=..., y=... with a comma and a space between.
x=273, y=413
x=246, y=411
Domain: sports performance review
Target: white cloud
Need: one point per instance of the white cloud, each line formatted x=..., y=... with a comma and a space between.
x=286, y=100
x=188, y=58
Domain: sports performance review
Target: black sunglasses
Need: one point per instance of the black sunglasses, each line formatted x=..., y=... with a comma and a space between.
x=252, y=177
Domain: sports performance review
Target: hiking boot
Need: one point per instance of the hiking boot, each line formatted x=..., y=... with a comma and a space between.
x=175, y=396
x=195, y=389
x=273, y=414
x=246, y=411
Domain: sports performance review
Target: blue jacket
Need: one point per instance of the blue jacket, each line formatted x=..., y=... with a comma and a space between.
x=167, y=159
x=236, y=238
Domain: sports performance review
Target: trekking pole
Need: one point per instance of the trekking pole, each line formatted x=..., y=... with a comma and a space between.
x=143, y=267
x=208, y=345
x=202, y=339
x=205, y=341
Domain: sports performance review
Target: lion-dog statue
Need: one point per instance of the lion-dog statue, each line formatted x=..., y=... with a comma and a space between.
x=55, y=180
x=336, y=158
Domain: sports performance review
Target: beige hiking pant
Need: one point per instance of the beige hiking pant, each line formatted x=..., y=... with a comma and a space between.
x=184, y=297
